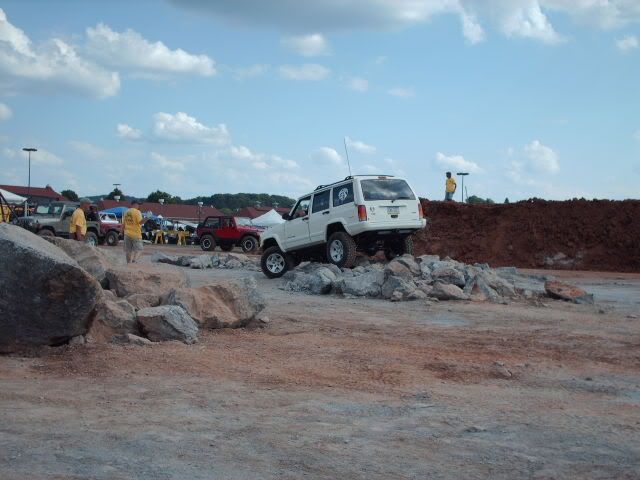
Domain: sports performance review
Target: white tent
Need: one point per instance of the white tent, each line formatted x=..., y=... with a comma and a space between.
x=270, y=218
x=12, y=197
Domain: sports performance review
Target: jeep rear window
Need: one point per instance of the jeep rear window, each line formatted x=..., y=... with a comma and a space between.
x=386, y=189
x=343, y=194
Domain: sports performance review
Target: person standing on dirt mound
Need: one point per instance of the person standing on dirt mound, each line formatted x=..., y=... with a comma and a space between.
x=78, y=224
x=133, y=222
x=450, y=188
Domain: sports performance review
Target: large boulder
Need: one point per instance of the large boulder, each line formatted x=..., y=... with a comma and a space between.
x=88, y=257
x=367, y=284
x=447, y=274
x=448, y=291
x=397, y=269
x=168, y=322
x=139, y=278
x=409, y=261
x=569, y=293
x=46, y=297
x=112, y=318
x=230, y=304
x=398, y=288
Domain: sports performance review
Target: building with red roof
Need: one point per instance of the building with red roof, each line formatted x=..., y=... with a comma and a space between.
x=172, y=211
x=37, y=195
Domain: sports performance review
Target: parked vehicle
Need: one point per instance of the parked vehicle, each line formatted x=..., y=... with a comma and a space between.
x=53, y=220
x=366, y=213
x=228, y=232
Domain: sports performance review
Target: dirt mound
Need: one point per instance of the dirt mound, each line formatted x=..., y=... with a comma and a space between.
x=575, y=235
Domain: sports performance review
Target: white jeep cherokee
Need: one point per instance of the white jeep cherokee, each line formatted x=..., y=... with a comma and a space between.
x=364, y=213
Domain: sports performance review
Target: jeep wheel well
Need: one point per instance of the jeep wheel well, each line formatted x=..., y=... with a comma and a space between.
x=333, y=228
x=269, y=242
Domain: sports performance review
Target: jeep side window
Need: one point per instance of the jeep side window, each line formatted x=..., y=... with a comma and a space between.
x=226, y=223
x=321, y=201
x=302, y=208
x=343, y=194
x=212, y=223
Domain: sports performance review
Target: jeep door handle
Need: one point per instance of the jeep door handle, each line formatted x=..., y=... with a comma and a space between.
x=326, y=213
x=305, y=219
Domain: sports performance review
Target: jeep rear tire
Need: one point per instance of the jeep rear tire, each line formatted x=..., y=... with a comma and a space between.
x=91, y=239
x=112, y=238
x=341, y=250
x=274, y=262
x=207, y=243
x=45, y=232
x=248, y=244
x=398, y=248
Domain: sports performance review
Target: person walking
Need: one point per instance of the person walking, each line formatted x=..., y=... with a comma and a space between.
x=450, y=188
x=133, y=222
x=78, y=224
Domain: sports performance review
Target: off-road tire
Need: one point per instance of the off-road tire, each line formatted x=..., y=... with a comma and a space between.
x=341, y=250
x=249, y=244
x=399, y=248
x=91, y=239
x=45, y=232
x=207, y=243
x=112, y=239
x=226, y=248
x=274, y=262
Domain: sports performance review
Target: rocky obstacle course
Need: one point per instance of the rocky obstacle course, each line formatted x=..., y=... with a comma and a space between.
x=204, y=261
x=61, y=291
x=420, y=278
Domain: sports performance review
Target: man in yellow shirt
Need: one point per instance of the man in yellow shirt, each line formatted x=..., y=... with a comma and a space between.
x=78, y=224
x=133, y=222
x=450, y=188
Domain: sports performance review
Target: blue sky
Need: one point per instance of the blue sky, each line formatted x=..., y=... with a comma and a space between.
x=532, y=97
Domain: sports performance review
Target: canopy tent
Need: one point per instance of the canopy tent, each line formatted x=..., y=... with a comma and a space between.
x=12, y=197
x=270, y=218
x=119, y=211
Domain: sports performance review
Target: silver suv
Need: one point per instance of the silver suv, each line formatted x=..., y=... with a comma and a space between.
x=366, y=213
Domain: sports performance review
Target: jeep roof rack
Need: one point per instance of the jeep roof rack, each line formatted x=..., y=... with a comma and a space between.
x=350, y=177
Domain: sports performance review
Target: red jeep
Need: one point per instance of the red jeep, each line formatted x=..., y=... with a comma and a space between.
x=228, y=232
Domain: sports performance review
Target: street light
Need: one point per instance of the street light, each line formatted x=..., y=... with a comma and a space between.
x=199, y=211
x=462, y=174
x=28, y=150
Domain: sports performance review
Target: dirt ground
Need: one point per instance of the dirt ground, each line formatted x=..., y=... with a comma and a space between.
x=338, y=388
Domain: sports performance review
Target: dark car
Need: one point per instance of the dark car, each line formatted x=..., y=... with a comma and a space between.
x=228, y=232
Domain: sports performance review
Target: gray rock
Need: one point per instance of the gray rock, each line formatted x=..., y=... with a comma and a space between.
x=130, y=339
x=366, y=285
x=479, y=290
x=397, y=284
x=140, y=278
x=445, y=274
x=89, y=258
x=396, y=296
x=396, y=269
x=428, y=260
x=417, y=294
x=322, y=281
x=159, y=257
x=143, y=300
x=362, y=261
x=79, y=340
x=201, y=262
x=47, y=298
x=112, y=318
x=447, y=291
x=168, y=322
x=226, y=304
x=409, y=262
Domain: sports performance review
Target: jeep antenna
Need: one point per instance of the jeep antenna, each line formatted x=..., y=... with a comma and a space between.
x=347, y=152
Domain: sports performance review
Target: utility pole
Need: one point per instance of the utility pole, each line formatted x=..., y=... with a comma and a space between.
x=28, y=150
x=462, y=174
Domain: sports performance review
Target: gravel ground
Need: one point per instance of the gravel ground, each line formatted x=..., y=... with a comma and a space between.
x=344, y=388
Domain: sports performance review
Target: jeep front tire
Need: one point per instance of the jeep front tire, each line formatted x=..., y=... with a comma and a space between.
x=341, y=250
x=91, y=239
x=274, y=262
x=112, y=238
x=248, y=244
x=207, y=243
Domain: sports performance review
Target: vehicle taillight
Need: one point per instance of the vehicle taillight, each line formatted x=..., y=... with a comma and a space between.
x=420, y=211
x=362, y=213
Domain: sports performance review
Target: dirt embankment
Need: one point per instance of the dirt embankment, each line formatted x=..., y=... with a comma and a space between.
x=576, y=234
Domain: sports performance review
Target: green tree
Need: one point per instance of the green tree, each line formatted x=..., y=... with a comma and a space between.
x=475, y=200
x=114, y=193
x=235, y=201
x=70, y=194
x=168, y=198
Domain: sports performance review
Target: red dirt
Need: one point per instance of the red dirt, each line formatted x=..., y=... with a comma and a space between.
x=572, y=235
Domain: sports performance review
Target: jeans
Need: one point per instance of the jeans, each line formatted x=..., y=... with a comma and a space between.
x=448, y=196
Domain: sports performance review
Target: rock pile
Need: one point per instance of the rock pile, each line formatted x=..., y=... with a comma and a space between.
x=204, y=261
x=63, y=291
x=407, y=278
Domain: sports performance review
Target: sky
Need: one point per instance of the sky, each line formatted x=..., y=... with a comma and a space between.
x=533, y=98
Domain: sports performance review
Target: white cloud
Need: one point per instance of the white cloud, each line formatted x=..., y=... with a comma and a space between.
x=457, y=163
x=529, y=21
x=627, y=43
x=328, y=155
x=471, y=29
x=402, y=92
x=358, y=84
x=307, y=71
x=5, y=112
x=313, y=45
x=88, y=149
x=360, y=147
x=130, y=133
x=42, y=157
x=167, y=163
x=260, y=161
x=130, y=50
x=182, y=128
x=52, y=67
x=541, y=158
x=251, y=71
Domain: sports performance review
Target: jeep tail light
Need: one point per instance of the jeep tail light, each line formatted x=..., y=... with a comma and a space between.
x=362, y=213
x=420, y=211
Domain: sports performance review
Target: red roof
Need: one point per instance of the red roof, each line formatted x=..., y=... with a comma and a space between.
x=255, y=212
x=46, y=192
x=173, y=211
